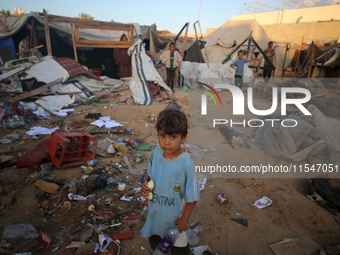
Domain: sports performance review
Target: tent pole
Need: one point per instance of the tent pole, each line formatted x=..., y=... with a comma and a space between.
x=264, y=55
x=197, y=43
x=311, y=59
x=298, y=57
x=229, y=55
x=47, y=34
x=74, y=44
x=32, y=33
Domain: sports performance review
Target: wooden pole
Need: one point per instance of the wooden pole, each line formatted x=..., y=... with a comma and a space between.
x=184, y=43
x=32, y=33
x=298, y=57
x=74, y=43
x=4, y=26
x=36, y=47
x=311, y=59
x=47, y=34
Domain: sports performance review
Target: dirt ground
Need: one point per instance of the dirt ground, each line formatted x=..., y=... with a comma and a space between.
x=291, y=215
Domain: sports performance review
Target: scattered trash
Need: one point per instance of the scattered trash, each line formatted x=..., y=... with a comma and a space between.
x=63, y=112
x=62, y=209
x=143, y=147
x=222, y=200
x=138, y=158
x=74, y=245
x=10, y=138
x=47, y=239
x=202, y=182
x=72, y=196
x=107, y=122
x=123, y=236
x=241, y=221
x=20, y=230
x=104, y=242
x=200, y=250
x=41, y=131
x=111, y=149
x=126, y=198
x=121, y=186
x=48, y=187
x=263, y=202
x=92, y=162
x=193, y=239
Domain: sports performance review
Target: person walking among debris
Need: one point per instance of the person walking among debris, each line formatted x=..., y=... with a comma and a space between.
x=123, y=60
x=176, y=189
x=238, y=65
x=267, y=68
x=172, y=59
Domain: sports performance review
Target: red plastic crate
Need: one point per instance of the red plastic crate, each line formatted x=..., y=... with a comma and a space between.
x=71, y=148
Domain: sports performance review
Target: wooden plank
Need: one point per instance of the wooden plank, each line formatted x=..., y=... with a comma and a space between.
x=160, y=92
x=128, y=43
x=76, y=30
x=311, y=60
x=4, y=26
x=298, y=57
x=104, y=27
x=30, y=94
x=36, y=47
x=47, y=35
x=102, y=45
x=74, y=44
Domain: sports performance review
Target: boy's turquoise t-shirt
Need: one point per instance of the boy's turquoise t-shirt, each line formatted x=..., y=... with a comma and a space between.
x=175, y=185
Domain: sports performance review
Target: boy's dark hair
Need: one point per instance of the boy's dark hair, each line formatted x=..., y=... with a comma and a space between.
x=172, y=43
x=270, y=43
x=239, y=52
x=172, y=121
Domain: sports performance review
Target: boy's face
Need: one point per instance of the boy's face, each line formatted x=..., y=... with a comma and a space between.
x=172, y=47
x=240, y=55
x=171, y=144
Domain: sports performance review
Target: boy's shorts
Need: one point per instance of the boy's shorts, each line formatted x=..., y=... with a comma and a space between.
x=155, y=241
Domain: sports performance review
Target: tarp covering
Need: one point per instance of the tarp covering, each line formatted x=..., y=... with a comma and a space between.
x=212, y=73
x=143, y=71
x=312, y=135
x=14, y=24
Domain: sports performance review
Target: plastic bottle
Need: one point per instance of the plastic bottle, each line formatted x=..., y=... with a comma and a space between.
x=121, y=148
x=167, y=242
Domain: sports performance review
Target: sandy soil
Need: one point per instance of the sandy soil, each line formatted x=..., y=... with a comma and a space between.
x=292, y=213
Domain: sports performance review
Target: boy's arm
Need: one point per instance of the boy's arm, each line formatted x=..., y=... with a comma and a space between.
x=183, y=222
x=254, y=59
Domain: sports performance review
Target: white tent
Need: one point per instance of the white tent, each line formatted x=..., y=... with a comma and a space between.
x=221, y=42
x=231, y=34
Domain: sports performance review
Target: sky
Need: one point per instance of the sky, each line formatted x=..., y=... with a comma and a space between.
x=169, y=15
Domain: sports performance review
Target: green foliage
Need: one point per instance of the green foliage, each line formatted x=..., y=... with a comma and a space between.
x=5, y=13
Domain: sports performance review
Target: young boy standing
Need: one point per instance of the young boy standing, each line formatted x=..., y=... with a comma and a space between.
x=238, y=65
x=176, y=187
x=172, y=59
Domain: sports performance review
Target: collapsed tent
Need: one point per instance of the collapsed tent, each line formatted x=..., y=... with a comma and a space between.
x=143, y=72
x=312, y=134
